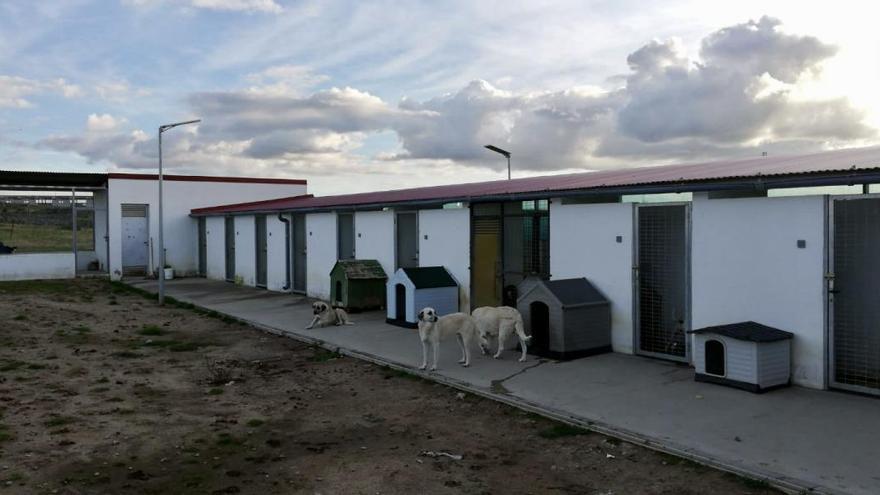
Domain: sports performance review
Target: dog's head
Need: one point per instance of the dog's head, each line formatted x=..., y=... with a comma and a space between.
x=428, y=315
x=319, y=307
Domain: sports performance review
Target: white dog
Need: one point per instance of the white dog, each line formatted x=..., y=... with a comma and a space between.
x=433, y=329
x=326, y=316
x=501, y=323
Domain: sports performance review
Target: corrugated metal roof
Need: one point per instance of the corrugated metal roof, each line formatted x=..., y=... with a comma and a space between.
x=851, y=161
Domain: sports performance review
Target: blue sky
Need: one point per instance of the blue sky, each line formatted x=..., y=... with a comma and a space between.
x=364, y=95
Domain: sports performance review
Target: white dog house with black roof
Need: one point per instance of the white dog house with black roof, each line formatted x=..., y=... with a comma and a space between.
x=745, y=355
x=410, y=290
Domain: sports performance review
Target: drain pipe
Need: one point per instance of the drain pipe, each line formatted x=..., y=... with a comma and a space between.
x=286, y=222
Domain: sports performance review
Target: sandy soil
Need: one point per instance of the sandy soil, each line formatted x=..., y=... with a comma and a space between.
x=102, y=391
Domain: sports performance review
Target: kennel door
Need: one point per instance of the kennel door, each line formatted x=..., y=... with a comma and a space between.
x=661, y=280
x=853, y=300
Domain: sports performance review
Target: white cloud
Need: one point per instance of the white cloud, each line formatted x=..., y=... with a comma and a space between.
x=103, y=123
x=267, y=6
x=14, y=90
x=284, y=80
x=118, y=91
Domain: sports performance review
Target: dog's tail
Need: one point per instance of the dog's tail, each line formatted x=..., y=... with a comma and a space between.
x=520, y=329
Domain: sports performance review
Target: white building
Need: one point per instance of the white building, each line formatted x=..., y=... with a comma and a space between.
x=124, y=222
x=674, y=248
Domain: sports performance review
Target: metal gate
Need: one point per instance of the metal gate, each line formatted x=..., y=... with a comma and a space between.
x=345, y=236
x=299, y=253
x=261, y=249
x=854, y=304
x=135, y=239
x=203, y=248
x=661, y=277
x=230, y=249
x=407, y=240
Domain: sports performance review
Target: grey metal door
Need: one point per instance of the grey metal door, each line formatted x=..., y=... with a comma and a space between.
x=407, y=240
x=262, y=250
x=135, y=239
x=299, y=253
x=345, y=236
x=203, y=247
x=854, y=303
x=230, y=248
x=661, y=277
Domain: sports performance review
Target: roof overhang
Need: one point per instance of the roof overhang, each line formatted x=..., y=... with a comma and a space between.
x=25, y=180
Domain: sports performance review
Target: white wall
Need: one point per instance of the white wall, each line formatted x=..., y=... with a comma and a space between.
x=181, y=230
x=746, y=266
x=35, y=266
x=445, y=240
x=276, y=258
x=245, y=250
x=583, y=243
x=215, y=251
x=375, y=238
x=321, y=253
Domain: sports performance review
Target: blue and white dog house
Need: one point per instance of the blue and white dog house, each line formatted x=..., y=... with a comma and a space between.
x=410, y=290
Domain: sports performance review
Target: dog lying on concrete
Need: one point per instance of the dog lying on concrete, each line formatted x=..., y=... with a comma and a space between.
x=434, y=329
x=500, y=323
x=326, y=316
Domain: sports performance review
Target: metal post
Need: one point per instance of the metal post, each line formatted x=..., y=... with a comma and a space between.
x=73, y=226
x=161, y=231
x=508, y=167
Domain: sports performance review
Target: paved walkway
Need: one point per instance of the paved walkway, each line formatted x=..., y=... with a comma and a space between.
x=795, y=438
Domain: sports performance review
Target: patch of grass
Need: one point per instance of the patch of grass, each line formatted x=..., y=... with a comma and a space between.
x=20, y=318
x=227, y=440
x=58, y=420
x=561, y=430
x=215, y=391
x=750, y=483
x=11, y=365
x=255, y=423
x=184, y=347
x=322, y=355
x=82, y=329
x=127, y=355
x=5, y=434
x=36, y=286
x=152, y=330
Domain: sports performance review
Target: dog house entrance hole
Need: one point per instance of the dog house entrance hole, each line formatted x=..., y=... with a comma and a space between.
x=714, y=358
x=400, y=302
x=339, y=291
x=540, y=323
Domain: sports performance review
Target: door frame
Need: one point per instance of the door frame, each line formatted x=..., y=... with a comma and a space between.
x=296, y=219
x=353, y=236
x=226, y=236
x=202, y=235
x=147, y=250
x=397, y=231
x=257, y=246
x=636, y=302
x=828, y=287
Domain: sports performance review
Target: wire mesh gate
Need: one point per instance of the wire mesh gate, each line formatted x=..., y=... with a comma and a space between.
x=853, y=297
x=661, y=277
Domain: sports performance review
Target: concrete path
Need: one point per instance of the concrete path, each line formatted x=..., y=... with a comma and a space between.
x=795, y=438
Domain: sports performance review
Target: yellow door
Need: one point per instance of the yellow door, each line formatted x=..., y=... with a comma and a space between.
x=486, y=269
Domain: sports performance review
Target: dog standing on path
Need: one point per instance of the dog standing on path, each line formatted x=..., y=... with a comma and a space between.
x=434, y=329
x=326, y=316
x=501, y=323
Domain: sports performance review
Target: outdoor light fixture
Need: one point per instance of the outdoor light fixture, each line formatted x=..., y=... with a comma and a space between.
x=163, y=128
x=496, y=149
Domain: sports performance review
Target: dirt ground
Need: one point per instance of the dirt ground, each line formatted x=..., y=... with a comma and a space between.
x=103, y=391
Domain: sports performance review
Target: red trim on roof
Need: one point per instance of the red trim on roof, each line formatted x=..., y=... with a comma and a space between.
x=846, y=160
x=207, y=178
x=252, y=205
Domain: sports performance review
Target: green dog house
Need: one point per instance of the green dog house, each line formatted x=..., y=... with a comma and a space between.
x=357, y=285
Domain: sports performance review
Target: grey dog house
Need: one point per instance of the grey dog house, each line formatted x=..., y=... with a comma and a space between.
x=745, y=355
x=567, y=318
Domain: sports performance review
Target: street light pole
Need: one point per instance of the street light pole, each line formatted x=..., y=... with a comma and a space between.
x=502, y=152
x=162, y=129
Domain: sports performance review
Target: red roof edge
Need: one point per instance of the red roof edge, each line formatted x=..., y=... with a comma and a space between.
x=251, y=204
x=207, y=178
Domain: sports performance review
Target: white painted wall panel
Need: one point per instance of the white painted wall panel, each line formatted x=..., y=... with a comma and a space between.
x=445, y=240
x=583, y=243
x=746, y=266
x=216, y=247
x=245, y=250
x=276, y=276
x=375, y=237
x=321, y=249
x=35, y=266
x=181, y=230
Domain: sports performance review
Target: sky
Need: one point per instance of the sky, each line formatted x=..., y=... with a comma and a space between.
x=368, y=95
